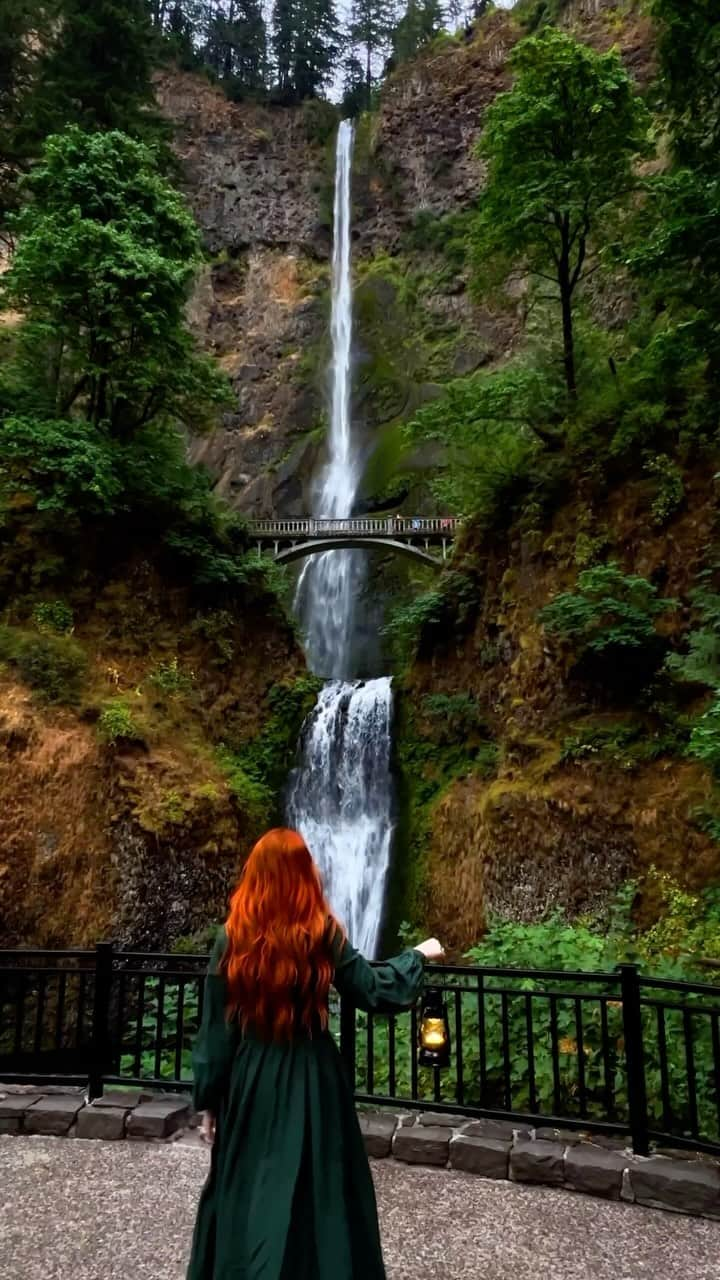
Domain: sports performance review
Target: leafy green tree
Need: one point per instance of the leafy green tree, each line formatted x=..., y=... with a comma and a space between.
x=96, y=72
x=106, y=256
x=560, y=148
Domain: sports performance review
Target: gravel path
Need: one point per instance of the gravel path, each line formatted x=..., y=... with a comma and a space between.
x=75, y=1210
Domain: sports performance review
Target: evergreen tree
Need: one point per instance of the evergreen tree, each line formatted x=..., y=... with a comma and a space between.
x=371, y=27
x=420, y=23
x=96, y=73
x=243, y=42
x=317, y=45
x=283, y=43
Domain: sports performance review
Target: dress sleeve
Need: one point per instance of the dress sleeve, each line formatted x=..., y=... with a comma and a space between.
x=380, y=988
x=217, y=1040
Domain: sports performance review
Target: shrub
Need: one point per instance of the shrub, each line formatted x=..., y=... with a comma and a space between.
x=610, y=616
x=670, y=487
x=701, y=664
x=255, y=799
x=54, y=666
x=116, y=723
x=455, y=715
x=171, y=680
x=53, y=615
x=443, y=611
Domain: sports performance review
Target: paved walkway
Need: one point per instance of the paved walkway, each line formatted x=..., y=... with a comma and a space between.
x=75, y=1210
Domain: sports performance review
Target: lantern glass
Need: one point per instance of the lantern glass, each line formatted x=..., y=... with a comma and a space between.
x=434, y=1031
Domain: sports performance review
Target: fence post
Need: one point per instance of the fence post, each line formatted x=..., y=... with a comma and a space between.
x=634, y=1057
x=101, y=1018
x=348, y=1037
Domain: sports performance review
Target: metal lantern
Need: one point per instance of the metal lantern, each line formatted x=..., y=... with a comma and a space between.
x=434, y=1031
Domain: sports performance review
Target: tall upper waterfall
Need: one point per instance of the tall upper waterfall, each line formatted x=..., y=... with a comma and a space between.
x=340, y=796
x=328, y=585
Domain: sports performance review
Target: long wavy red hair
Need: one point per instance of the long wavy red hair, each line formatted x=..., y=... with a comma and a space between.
x=278, y=962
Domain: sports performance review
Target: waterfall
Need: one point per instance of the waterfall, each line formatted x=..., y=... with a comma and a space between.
x=341, y=799
x=329, y=583
x=340, y=795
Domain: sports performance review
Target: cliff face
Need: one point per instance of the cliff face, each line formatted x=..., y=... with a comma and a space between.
x=260, y=183
x=124, y=812
x=587, y=788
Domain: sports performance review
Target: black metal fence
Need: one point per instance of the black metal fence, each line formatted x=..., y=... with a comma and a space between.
x=615, y=1053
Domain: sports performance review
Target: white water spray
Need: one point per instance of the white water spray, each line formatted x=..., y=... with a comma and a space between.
x=340, y=796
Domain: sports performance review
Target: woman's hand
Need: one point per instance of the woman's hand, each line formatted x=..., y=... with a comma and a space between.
x=207, y=1127
x=432, y=949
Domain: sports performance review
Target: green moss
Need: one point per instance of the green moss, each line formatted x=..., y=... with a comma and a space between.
x=257, y=768
x=437, y=742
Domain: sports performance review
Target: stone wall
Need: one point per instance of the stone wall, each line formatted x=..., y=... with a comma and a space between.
x=580, y=1162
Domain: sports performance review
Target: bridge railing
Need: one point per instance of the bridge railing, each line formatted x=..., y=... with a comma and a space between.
x=388, y=526
x=615, y=1053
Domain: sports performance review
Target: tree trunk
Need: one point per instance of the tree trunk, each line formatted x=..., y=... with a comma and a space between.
x=368, y=76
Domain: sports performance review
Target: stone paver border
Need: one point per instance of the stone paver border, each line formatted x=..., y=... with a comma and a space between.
x=581, y=1162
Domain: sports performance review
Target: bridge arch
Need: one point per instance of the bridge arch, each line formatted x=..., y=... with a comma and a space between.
x=316, y=546
x=288, y=540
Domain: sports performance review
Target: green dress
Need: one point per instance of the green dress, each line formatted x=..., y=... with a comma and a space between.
x=289, y=1195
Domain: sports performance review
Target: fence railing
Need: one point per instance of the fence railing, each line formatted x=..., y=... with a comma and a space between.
x=357, y=526
x=615, y=1053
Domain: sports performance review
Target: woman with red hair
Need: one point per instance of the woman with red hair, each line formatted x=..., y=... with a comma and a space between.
x=289, y=1196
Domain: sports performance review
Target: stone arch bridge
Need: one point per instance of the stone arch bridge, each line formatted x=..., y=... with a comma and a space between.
x=429, y=540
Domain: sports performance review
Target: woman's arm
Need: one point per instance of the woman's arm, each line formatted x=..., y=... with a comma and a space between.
x=217, y=1039
x=382, y=988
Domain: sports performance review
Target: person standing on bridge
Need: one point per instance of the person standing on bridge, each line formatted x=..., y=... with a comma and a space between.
x=289, y=1195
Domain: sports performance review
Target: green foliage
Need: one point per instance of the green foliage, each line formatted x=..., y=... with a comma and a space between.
x=117, y=723
x=66, y=466
x=171, y=680
x=455, y=715
x=701, y=663
x=257, y=768
x=52, y=665
x=96, y=70
x=560, y=148
x=175, y=1026
x=430, y=617
x=421, y=22
x=689, y=46
x=320, y=121
x=106, y=256
x=611, y=614
x=670, y=486
x=254, y=798
x=688, y=924
x=623, y=745
x=436, y=743
x=54, y=616
x=491, y=426
x=704, y=742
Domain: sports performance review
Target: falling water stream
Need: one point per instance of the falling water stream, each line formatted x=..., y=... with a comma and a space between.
x=340, y=795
